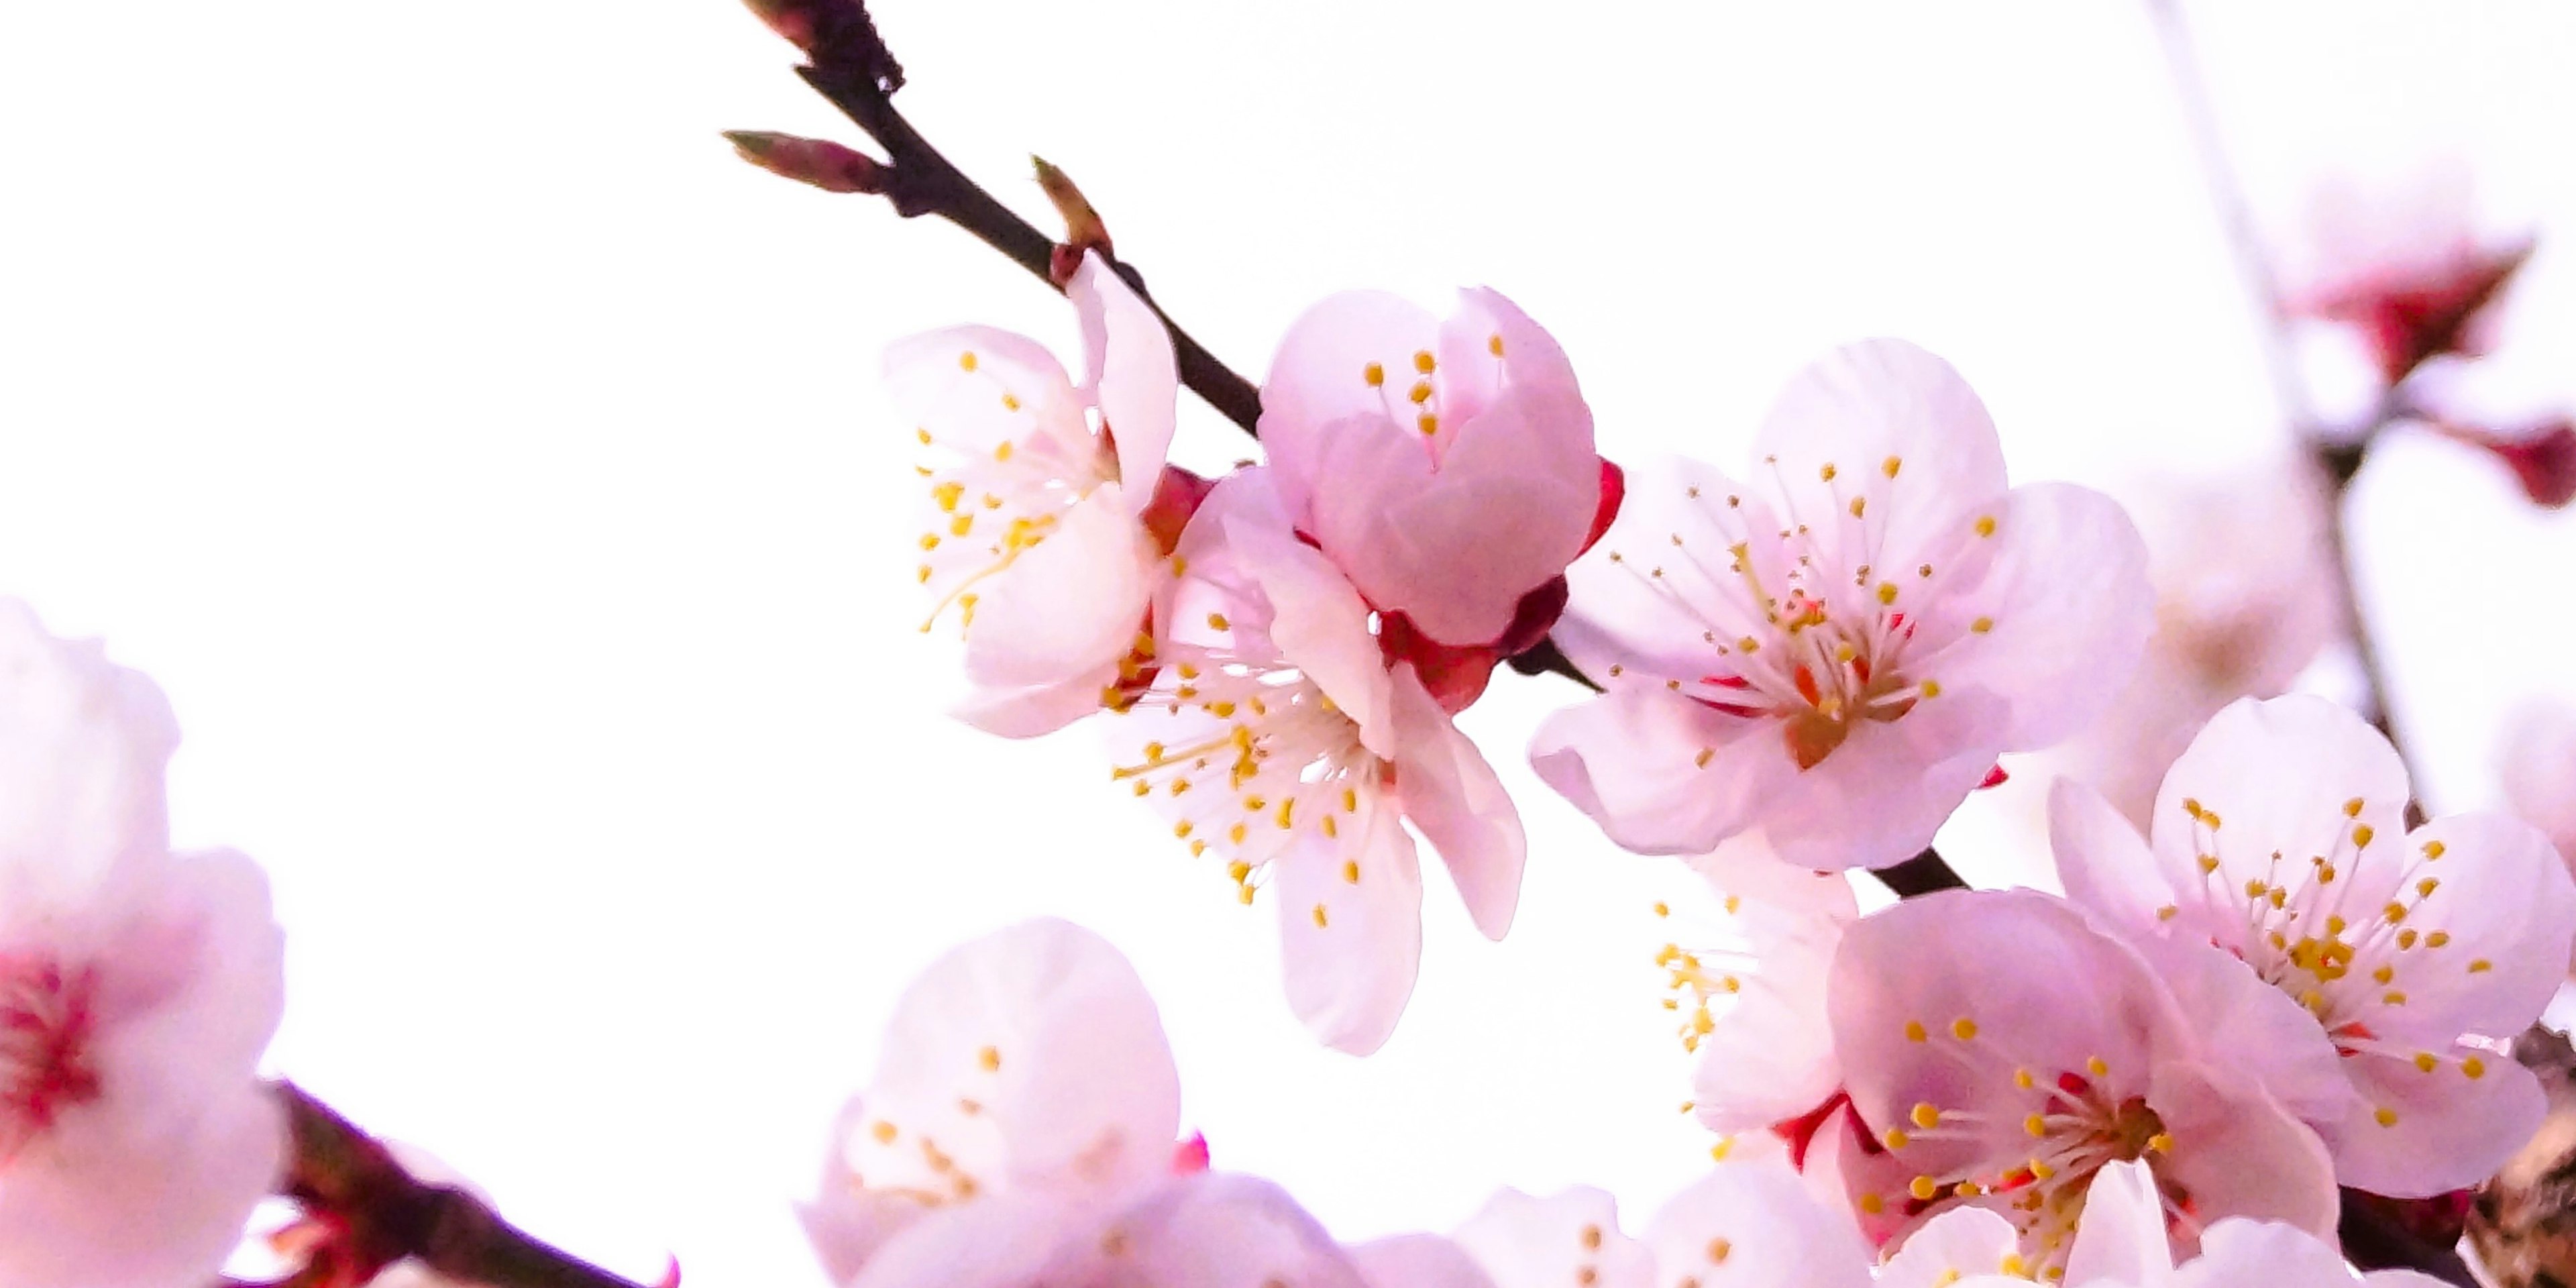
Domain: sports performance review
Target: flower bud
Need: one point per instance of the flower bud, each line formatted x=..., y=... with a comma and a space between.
x=819, y=162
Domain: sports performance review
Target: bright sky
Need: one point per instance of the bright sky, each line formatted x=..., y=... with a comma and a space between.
x=491, y=469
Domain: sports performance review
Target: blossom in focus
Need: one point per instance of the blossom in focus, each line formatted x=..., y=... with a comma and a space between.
x=2280, y=838
x=1273, y=735
x=138, y=989
x=1834, y=651
x=2245, y=596
x=1751, y=941
x=2407, y=270
x=1446, y=466
x=1036, y=537
x=1999, y=1052
x=1024, y=1076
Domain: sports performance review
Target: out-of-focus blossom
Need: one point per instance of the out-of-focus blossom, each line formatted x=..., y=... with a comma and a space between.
x=1024, y=1075
x=137, y=990
x=2280, y=838
x=1273, y=734
x=2536, y=767
x=1445, y=465
x=1834, y=652
x=1572, y=1236
x=1752, y=940
x=1999, y=1052
x=2245, y=594
x=2407, y=269
x=1038, y=538
x=2511, y=403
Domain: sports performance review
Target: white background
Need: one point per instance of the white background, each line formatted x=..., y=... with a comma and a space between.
x=490, y=468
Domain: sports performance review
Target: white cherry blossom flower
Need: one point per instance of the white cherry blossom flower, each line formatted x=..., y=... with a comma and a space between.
x=1034, y=539
x=1445, y=465
x=138, y=989
x=1273, y=735
x=2280, y=838
x=2000, y=1052
x=1024, y=1080
x=1833, y=651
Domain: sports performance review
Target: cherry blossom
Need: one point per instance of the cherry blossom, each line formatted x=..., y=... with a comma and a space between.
x=2407, y=267
x=2280, y=838
x=1834, y=652
x=1037, y=538
x=138, y=988
x=1272, y=734
x=1024, y=1080
x=1999, y=1051
x=1445, y=465
x=1752, y=940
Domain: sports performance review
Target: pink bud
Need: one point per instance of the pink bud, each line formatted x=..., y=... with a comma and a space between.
x=2408, y=318
x=1614, y=490
x=819, y=162
x=2542, y=456
x=793, y=20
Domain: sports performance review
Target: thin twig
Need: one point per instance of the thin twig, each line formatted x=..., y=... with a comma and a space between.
x=388, y=1214
x=2337, y=456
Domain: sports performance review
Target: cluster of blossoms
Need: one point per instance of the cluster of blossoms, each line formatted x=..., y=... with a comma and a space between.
x=2274, y=990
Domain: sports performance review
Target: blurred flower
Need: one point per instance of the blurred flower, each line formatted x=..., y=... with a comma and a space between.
x=2246, y=594
x=138, y=989
x=2406, y=269
x=2280, y=838
x=2000, y=1052
x=1835, y=653
x=1024, y=1070
x=2536, y=767
x=1446, y=466
x=1036, y=534
x=1272, y=732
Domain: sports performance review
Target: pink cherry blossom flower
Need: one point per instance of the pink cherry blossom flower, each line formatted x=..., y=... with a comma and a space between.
x=1834, y=652
x=1999, y=1051
x=1024, y=1079
x=1752, y=941
x=2280, y=838
x=1036, y=537
x=1445, y=465
x=138, y=989
x=1272, y=734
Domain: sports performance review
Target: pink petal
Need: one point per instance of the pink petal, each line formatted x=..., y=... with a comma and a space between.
x=83, y=744
x=1631, y=760
x=1418, y=1261
x=1034, y=1058
x=1131, y=371
x=1317, y=622
x=2238, y=1154
x=973, y=388
x=1881, y=795
x=1475, y=377
x=2258, y=1029
x=2414, y=1132
x=2122, y=1239
x=997, y=1241
x=2067, y=607
x=1070, y=604
x=1964, y=1242
x=1212, y=1230
x=2240, y=1252
x=2104, y=864
x=1754, y=1223
x=1621, y=615
x=1037, y=710
x=1526, y=1242
x=1350, y=948
x=1857, y=409
x=2506, y=910
x=1317, y=378
x=1459, y=805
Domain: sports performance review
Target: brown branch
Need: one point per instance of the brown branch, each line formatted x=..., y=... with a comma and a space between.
x=385, y=1214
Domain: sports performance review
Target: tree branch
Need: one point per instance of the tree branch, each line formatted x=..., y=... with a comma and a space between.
x=384, y=1214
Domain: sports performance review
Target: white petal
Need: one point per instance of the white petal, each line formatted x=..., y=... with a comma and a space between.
x=1964, y=1242
x=1068, y=605
x=1132, y=373
x=1349, y=948
x=973, y=388
x=1631, y=759
x=83, y=743
x=1418, y=1261
x=1753, y=1223
x=2122, y=1237
x=1212, y=1230
x=2102, y=861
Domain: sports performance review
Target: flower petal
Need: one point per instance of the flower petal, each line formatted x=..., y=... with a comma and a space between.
x=1418, y=1261
x=2504, y=909
x=1132, y=374
x=2236, y=1153
x=2122, y=1238
x=1754, y=1223
x=1350, y=927
x=971, y=389
x=1964, y=1242
x=1880, y=796
x=1571, y=1236
x=2414, y=1132
x=1319, y=377
x=1458, y=804
x=1632, y=760
x=2104, y=864
x=1069, y=604
x=83, y=745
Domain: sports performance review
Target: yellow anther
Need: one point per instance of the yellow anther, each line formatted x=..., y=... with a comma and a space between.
x=1319, y=916
x=883, y=1131
x=2095, y=1065
x=1963, y=1028
x=2208, y=863
x=1927, y=1116
x=1981, y=625
x=2433, y=849
x=2395, y=912
x=2473, y=1066
x=1350, y=868
x=990, y=1058
x=1421, y=392
x=1719, y=1250
x=1985, y=525
x=1930, y=688
x=1887, y=592
x=2426, y=1061
x=1827, y=473
x=1872, y=1204
x=2424, y=889
x=2036, y=1125
x=2387, y=1117
x=1967, y=1189
x=1890, y=466
x=1494, y=344
x=1895, y=1138
x=2392, y=998
x=1428, y=424
x=2362, y=835
x=2437, y=939
x=2161, y=1142
x=1858, y=504
x=922, y=573
x=2481, y=966
x=1915, y=1032
x=1706, y=754
x=2352, y=808
x=966, y=360
x=2022, y=1079
x=1374, y=374
x=1423, y=362
x=1002, y=450
x=1923, y=1187
x=1010, y=402
x=2168, y=912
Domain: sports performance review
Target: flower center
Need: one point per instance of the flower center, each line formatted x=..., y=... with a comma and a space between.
x=45, y=1030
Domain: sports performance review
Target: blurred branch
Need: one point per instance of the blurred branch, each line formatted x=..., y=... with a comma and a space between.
x=2337, y=455
x=383, y=1214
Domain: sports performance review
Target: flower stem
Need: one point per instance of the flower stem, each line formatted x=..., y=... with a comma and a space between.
x=339, y=1171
